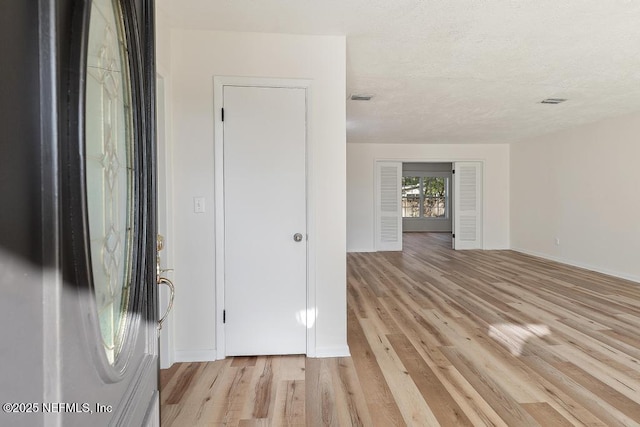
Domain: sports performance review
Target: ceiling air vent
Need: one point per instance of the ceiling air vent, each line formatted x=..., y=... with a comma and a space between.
x=360, y=97
x=552, y=101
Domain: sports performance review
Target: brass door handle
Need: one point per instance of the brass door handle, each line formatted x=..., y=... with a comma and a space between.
x=169, y=283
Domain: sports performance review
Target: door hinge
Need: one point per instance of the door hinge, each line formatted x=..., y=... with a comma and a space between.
x=224, y=316
x=222, y=112
x=453, y=171
x=453, y=236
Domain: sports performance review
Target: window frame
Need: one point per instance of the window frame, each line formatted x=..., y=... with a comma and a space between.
x=422, y=175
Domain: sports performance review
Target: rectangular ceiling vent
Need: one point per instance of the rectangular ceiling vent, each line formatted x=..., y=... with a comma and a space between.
x=552, y=101
x=360, y=97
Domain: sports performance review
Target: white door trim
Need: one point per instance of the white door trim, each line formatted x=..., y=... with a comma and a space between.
x=218, y=83
x=165, y=220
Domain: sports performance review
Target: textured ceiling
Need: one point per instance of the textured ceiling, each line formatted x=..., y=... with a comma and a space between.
x=453, y=71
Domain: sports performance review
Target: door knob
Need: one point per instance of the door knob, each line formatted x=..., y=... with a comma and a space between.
x=297, y=237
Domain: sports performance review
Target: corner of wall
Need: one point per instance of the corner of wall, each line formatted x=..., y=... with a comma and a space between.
x=570, y=196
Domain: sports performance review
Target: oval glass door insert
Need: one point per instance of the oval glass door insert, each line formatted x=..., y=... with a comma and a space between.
x=109, y=149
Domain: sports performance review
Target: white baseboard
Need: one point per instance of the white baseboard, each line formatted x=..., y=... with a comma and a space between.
x=360, y=250
x=195, y=355
x=496, y=248
x=211, y=355
x=341, y=351
x=580, y=265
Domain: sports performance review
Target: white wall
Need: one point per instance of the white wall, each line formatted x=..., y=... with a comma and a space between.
x=163, y=40
x=196, y=56
x=360, y=186
x=580, y=186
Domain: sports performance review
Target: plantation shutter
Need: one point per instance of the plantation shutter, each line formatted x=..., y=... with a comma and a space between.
x=467, y=205
x=388, y=233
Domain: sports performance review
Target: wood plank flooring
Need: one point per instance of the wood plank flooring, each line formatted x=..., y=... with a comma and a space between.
x=442, y=337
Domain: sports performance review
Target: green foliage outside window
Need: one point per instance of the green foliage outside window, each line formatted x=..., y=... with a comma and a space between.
x=424, y=197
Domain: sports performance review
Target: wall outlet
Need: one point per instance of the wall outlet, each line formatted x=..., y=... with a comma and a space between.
x=557, y=241
x=198, y=204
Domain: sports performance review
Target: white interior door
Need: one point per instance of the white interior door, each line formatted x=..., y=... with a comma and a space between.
x=265, y=247
x=467, y=180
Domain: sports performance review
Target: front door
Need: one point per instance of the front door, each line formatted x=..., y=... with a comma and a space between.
x=77, y=228
x=265, y=256
x=108, y=361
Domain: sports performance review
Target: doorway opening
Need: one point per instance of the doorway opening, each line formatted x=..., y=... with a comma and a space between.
x=419, y=195
x=427, y=195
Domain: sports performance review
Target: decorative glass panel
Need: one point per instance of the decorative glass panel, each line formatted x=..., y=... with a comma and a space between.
x=109, y=169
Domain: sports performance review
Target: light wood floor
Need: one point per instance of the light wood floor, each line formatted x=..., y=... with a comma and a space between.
x=442, y=337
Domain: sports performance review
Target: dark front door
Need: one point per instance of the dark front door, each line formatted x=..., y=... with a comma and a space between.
x=78, y=229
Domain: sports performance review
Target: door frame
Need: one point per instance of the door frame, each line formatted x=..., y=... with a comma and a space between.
x=165, y=220
x=218, y=101
x=452, y=160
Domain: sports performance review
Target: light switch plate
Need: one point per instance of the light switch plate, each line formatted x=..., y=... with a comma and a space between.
x=198, y=204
